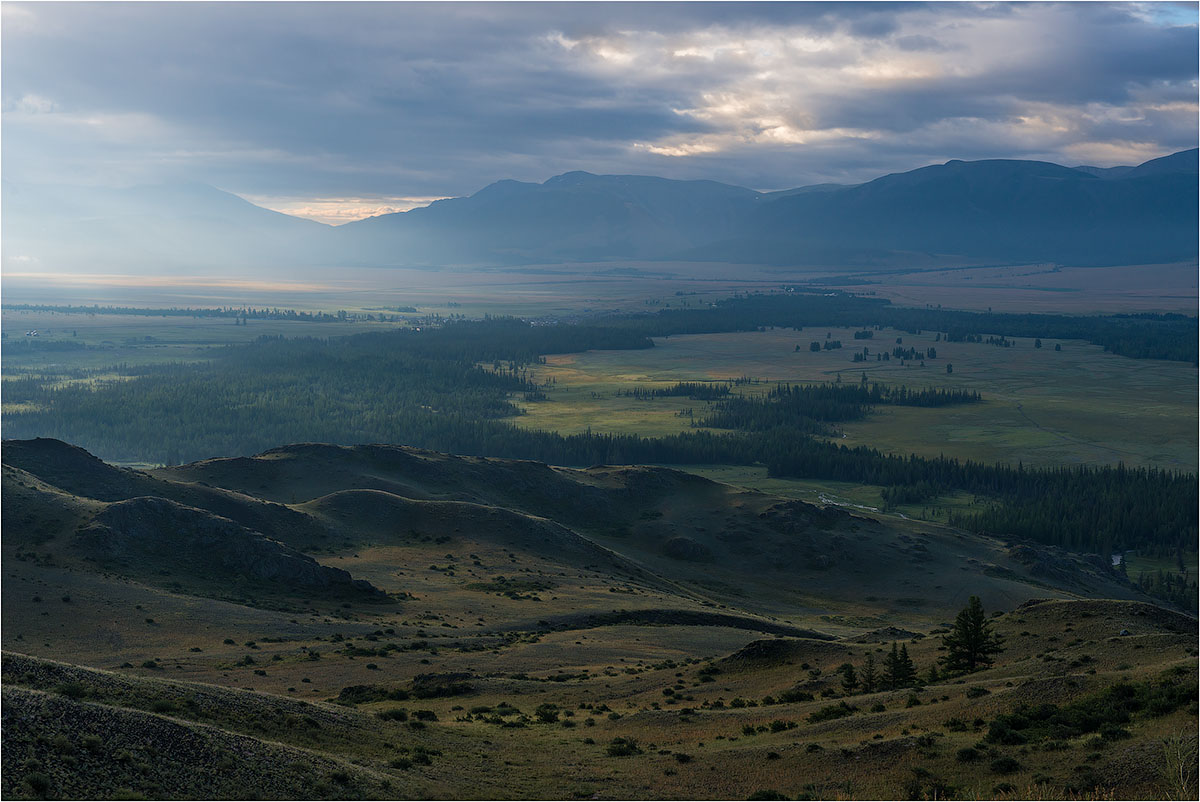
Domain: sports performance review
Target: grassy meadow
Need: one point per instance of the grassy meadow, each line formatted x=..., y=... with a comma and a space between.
x=1042, y=407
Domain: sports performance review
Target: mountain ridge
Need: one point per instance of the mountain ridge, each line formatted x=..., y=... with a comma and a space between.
x=993, y=210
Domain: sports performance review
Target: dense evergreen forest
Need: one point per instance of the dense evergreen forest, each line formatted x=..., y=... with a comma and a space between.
x=1084, y=509
x=1142, y=336
x=810, y=407
x=447, y=388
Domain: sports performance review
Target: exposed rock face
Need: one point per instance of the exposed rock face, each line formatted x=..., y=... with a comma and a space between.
x=684, y=548
x=774, y=651
x=884, y=635
x=186, y=536
x=791, y=517
x=1061, y=566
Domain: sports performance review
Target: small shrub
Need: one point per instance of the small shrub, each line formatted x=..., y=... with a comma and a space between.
x=1005, y=765
x=393, y=714
x=38, y=782
x=830, y=712
x=1111, y=732
x=968, y=754
x=623, y=747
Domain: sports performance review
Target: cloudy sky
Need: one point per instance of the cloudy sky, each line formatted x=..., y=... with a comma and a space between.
x=338, y=111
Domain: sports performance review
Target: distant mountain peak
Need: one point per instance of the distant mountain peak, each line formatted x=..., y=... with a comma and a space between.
x=572, y=177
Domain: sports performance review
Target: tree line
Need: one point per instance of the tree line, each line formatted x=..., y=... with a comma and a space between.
x=696, y=391
x=433, y=389
x=1140, y=336
x=809, y=407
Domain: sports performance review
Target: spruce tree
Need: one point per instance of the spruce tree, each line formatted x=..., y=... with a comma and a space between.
x=891, y=667
x=868, y=676
x=908, y=672
x=849, y=677
x=971, y=643
x=898, y=668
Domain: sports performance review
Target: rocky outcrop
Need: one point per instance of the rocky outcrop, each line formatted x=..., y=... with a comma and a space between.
x=1058, y=565
x=163, y=530
x=684, y=548
x=885, y=635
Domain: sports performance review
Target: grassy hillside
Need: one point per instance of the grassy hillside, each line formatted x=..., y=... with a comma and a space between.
x=522, y=631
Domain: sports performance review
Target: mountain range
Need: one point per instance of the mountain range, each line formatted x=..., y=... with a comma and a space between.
x=981, y=211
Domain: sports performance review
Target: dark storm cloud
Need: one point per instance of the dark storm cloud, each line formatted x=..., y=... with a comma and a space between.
x=316, y=100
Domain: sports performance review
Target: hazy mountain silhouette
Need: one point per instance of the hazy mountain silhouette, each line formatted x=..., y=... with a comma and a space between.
x=574, y=216
x=996, y=210
x=160, y=226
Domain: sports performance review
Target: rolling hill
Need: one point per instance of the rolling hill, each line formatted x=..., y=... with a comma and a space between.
x=384, y=622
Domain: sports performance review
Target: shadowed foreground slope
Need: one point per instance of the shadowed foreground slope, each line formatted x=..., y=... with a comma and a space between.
x=380, y=621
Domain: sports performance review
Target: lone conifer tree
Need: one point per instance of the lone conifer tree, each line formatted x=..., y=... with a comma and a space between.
x=849, y=677
x=868, y=676
x=971, y=643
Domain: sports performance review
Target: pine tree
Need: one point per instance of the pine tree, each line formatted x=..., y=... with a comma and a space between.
x=849, y=677
x=868, y=677
x=908, y=672
x=971, y=643
x=889, y=667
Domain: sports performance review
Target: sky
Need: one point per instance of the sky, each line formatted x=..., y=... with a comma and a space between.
x=337, y=111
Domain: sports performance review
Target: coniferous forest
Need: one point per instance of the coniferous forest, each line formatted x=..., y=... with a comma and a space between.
x=448, y=388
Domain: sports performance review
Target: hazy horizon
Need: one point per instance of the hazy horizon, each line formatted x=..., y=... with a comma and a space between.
x=337, y=112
